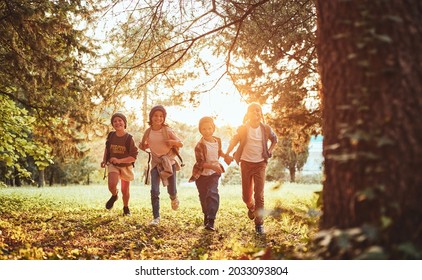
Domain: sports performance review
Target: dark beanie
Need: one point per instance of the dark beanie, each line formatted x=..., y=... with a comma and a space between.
x=157, y=108
x=206, y=120
x=120, y=115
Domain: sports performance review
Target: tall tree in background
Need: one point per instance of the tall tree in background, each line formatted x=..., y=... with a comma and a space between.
x=42, y=70
x=290, y=156
x=370, y=57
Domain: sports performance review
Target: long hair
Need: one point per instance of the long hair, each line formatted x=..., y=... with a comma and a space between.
x=252, y=105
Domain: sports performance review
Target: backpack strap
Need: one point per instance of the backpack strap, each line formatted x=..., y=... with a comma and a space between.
x=141, y=146
x=175, y=150
x=148, y=169
x=220, y=146
x=144, y=137
x=108, y=145
x=127, y=144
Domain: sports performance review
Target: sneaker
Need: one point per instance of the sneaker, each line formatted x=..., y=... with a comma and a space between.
x=111, y=201
x=175, y=203
x=210, y=225
x=251, y=214
x=259, y=229
x=126, y=211
x=155, y=222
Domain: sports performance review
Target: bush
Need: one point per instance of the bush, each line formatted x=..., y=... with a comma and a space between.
x=231, y=176
x=309, y=178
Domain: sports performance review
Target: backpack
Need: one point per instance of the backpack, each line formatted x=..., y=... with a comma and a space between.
x=127, y=145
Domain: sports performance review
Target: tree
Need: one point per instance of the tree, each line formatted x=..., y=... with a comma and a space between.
x=42, y=55
x=290, y=156
x=267, y=49
x=369, y=57
x=275, y=45
x=279, y=66
x=17, y=143
x=133, y=70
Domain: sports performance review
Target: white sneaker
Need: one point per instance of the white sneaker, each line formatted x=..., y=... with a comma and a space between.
x=175, y=204
x=155, y=222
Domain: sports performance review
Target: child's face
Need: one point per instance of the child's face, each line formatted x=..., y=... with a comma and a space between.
x=207, y=129
x=118, y=123
x=254, y=113
x=157, y=118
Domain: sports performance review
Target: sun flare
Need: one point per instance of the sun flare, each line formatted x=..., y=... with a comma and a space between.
x=226, y=109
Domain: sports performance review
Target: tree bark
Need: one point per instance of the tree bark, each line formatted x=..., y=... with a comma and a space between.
x=292, y=172
x=370, y=57
x=51, y=178
x=41, y=178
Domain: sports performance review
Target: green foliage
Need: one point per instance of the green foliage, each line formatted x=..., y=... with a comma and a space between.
x=252, y=43
x=276, y=44
x=42, y=54
x=17, y=142
x=290, y=154
x=354, y=243
x=72, y=172
x=361, y=243
x=71, y=223
x=232, y=176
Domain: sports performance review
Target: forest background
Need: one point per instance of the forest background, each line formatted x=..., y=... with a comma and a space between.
x=66, y=66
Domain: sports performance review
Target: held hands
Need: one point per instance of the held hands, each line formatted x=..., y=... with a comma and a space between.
x=143, y=147
x=228, y=159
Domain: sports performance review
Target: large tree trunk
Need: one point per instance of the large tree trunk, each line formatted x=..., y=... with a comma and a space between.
x=370, y=57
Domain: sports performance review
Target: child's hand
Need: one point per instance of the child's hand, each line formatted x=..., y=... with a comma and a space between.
x=217, y=169
x=103, y=164
x=114, y=160
x=228, y=159
x=143, y=147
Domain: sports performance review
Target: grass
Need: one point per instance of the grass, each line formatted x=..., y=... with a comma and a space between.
x=72, y=223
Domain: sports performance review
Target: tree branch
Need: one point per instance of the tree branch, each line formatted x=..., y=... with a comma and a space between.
x=190, y=42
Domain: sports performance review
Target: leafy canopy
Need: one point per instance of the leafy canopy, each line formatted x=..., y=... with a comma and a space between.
x=43, y=78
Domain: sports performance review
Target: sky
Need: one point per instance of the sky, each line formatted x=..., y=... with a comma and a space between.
x=223, y=102
x=227, y=109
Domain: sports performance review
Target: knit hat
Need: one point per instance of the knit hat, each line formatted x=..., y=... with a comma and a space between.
x=120, y=115
x=155, y=109
x=206, y=120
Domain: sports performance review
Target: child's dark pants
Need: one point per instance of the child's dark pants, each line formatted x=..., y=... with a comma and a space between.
x=208, y=194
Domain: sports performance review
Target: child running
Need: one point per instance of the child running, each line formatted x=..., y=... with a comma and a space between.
x=252, y=155
x=207, y=171
x=119, y=155
x=162, y=143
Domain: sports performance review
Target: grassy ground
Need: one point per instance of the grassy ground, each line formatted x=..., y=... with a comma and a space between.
x=72, y=223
